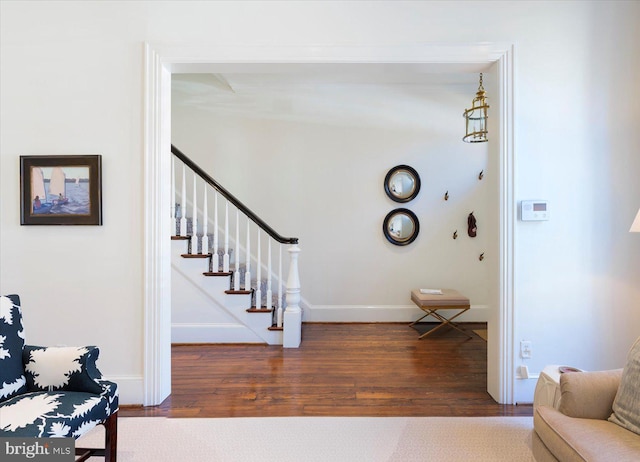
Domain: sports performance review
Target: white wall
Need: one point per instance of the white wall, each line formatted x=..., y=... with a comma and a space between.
x=311, y=161
x=71, y=82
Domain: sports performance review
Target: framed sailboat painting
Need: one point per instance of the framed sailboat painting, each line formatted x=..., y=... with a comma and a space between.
x=61, y=190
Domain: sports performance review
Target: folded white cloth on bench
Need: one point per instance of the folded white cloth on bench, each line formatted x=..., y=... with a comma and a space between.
x=431, y=291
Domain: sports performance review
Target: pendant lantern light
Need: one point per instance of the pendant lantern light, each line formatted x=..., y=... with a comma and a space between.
x=476, y=118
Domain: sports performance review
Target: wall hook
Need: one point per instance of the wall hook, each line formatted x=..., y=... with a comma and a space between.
x=481, y=257
x=455, y=234
x=446, y=196
x=481, y=175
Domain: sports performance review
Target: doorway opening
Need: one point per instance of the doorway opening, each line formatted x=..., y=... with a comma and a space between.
x=162, y=63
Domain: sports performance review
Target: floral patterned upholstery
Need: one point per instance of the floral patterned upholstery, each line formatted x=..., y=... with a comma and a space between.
x=50, y=391
x=62, y=368
x=12, y=378
x=53, y=414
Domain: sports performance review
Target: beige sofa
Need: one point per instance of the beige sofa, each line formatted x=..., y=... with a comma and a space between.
x=581, y=428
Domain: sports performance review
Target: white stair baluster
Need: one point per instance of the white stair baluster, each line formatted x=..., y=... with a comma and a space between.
x=215, y=257
x=236, y=274
x=225, y=257
x=247, y=270
x=279, y=317
x=269, y=303
x=258, y=277
x=173, y=196
x=205, y=224
x=194, y=219
x=183, y=204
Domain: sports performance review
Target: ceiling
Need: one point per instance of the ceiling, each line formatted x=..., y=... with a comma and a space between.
x=379, y=94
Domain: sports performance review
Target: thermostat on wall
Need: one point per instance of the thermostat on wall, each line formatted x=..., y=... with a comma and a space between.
x=534, y=210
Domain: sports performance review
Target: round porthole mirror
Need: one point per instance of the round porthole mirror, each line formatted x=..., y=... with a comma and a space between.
x=402, y=183
x=401, y=226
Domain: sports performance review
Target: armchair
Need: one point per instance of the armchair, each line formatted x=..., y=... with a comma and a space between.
x=55, y=392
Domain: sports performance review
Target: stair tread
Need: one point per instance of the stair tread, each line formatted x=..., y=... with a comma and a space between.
x=264, y=309
x=275, y=328
x=237, y=292
x=180, y=238
x=217, y=273
x=195, y=255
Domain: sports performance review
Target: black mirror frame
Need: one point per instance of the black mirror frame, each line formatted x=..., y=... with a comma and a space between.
x=411, y=215
x=416, y=178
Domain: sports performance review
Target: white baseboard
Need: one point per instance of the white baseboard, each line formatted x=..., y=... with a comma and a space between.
x=130, y=388
x=212, y=333
x=383, y=313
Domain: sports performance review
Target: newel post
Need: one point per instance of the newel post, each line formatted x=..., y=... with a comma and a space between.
x=292, y=334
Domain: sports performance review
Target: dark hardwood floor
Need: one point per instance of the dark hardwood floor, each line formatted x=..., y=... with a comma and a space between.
x=376, y=369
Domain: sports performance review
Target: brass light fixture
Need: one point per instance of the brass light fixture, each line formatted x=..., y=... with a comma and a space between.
x=476, y=118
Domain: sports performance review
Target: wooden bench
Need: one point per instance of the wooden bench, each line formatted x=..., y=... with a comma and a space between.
x=431, y=303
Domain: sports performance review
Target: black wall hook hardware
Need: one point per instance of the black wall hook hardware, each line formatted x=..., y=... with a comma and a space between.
x=481, y=257
x=481, y=175
x=455, y=234
x=446, y=196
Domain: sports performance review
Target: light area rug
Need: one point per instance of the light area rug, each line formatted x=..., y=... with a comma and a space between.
x=330, y=439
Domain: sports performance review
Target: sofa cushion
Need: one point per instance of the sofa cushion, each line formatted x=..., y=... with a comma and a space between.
x=12, y=379
x=588, y=395
x=62, y=368
x=51, y=414
x=571, y=439
x=626, y=406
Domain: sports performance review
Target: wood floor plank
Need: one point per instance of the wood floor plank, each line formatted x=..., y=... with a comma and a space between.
x=378, y=369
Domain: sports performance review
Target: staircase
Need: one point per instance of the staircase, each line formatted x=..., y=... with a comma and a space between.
x=261, y=309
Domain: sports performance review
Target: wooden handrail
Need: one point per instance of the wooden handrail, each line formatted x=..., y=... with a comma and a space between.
x=231, y=198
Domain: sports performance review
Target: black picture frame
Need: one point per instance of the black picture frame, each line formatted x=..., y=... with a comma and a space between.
x=61, y=190
x=407, y=172
x=392, y=226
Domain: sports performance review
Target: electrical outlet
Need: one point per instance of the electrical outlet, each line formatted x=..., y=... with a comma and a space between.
x=525, y=349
